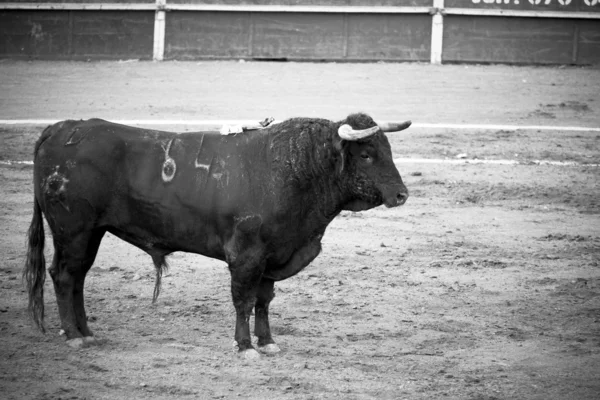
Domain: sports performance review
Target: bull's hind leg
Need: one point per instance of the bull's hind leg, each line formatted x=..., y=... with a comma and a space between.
x=72, y=260
x=262, y=330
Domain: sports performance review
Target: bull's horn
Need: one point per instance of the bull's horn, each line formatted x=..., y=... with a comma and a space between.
x=347, y=133
x=394, y=126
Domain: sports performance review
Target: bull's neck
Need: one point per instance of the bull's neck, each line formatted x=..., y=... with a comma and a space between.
x=307, y=161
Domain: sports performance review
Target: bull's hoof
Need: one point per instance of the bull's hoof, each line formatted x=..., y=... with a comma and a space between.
x=270, y=348
x=250, y=355
x=77, y=343
x=82, y=342
x=91, y=341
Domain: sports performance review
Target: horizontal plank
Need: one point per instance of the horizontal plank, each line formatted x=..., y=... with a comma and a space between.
x=370, y=3
x=218, y=7
x=299, y=9
x=209, y=7
x=79, y=6
x=521, y=13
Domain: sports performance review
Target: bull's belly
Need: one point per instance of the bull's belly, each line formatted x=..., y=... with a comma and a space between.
x=157, y=243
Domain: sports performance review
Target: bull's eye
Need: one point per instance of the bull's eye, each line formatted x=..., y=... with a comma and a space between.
x=365, y=156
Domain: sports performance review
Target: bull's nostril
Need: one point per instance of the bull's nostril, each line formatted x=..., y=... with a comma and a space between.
x=402, y=197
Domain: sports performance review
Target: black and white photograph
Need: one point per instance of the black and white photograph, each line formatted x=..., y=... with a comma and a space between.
x=300, y=199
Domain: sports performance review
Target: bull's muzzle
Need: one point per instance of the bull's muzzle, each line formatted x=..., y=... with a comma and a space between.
x=395, y=197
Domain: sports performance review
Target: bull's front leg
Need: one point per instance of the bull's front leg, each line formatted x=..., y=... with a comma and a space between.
x=246, y=259
x=244, y=286
x=299, y=260
x=265, y=294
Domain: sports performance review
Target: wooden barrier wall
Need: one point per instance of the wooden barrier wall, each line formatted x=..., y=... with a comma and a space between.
x=494, y=31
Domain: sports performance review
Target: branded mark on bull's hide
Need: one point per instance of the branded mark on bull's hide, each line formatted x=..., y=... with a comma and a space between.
x=203, y=163
x=220, y=173
x=169, y=167
x=55, y=186
x=75, y=137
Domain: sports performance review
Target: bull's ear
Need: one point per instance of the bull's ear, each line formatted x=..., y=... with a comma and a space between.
x=340, y=146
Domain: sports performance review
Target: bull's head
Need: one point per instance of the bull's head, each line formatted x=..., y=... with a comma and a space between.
x=367, y=165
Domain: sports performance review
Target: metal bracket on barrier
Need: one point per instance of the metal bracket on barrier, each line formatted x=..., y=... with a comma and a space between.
x=437, y=11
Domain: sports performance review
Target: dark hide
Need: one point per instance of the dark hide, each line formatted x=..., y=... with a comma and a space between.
x=260, y=201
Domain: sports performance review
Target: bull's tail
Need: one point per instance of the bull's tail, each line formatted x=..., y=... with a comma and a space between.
x=160, y=264
x=34, y=273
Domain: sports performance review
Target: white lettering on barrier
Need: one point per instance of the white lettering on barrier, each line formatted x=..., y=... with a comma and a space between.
x=499, y=1
x=590, y=3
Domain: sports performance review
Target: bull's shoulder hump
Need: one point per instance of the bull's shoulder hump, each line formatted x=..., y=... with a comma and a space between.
x=124, y=131
x=200, y=135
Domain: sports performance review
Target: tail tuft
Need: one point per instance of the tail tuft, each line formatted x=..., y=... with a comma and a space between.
x=160, y=264
x=34, y=273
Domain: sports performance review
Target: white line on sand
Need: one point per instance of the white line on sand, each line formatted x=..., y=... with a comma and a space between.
x=219, y=122
x=492, y=162
x=432, y=161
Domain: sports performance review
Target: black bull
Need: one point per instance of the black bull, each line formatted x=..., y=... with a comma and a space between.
x=260, y=201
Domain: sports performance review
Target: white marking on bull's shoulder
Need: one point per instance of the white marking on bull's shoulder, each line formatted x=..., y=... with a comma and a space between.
x=169, y=167
x=196, y=163
x=202, y=166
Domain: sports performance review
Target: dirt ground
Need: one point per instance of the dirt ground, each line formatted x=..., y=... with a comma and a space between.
x=485, y=285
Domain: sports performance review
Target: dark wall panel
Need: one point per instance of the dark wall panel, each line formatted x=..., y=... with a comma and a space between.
x=194, y=35
x=588, y=47
x=76, y=34
x=26, y=34
x=372, y=3
x=297, y=36
x=515, y=40
x=113, y=34
x=389, y=37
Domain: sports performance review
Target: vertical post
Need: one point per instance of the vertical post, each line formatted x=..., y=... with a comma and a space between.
x=437, y=32
x=159, y=31
x=345, y=38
